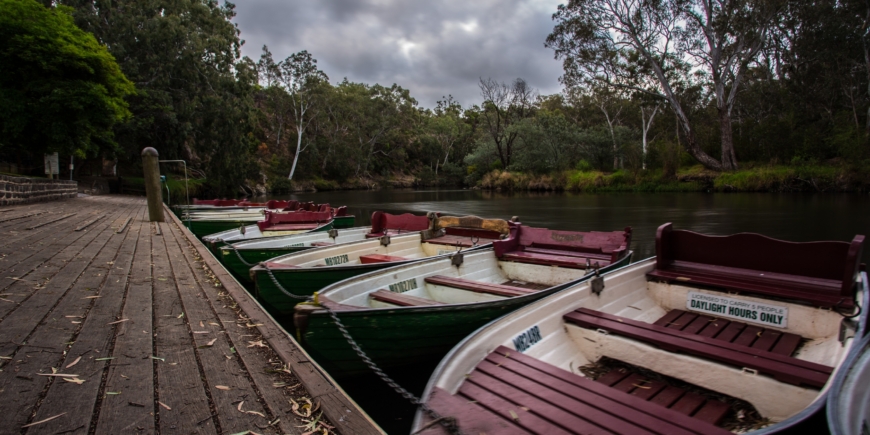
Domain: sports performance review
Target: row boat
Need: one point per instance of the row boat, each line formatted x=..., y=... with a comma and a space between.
x=303, y=273
x=848, y=409
x=417, y=312
x=714, y=335
x=240, y=257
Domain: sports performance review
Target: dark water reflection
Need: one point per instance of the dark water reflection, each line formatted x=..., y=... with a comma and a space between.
x=795, y=217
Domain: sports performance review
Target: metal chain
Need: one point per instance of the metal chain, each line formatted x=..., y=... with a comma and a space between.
x=236, y=250
x=449, y=423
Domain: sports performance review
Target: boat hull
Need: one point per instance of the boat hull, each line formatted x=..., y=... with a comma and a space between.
x=304, y=282
x=235, y=260
x=344, y=221
x=410, y=335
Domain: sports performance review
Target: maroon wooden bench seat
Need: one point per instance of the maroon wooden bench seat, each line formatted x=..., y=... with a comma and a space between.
x=740, y=333
x=402, y=299
x=380, y=258
x=477, y=286
x=570, y=261
x=687, y=403
x=783, y=368
x=819, y=273
x=563, y=248
x=525, y=395
x=291, y=227
x=385, y=223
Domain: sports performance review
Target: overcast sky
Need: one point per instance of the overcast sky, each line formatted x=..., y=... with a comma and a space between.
x=433, y=48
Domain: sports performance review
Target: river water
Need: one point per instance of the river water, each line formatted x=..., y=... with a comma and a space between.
x=794, y=217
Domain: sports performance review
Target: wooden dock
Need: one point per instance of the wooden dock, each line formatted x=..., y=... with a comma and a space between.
x=110, y=324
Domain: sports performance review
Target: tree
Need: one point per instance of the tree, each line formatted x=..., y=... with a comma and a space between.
x=300, y=78
x=647, y=115
x=60, y=89
x=195, y=93
x=503, y=106
x=644, y=46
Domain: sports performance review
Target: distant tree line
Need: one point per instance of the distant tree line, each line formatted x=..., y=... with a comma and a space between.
x=648, y=85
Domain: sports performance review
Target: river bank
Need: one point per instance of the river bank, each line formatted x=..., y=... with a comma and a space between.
x=781, y=178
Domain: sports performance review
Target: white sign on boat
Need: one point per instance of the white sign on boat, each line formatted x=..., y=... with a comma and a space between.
x=747, y=311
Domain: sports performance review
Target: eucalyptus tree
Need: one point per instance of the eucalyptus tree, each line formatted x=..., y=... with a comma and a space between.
x=301, y=78
x=504, y=105
x=655, y=46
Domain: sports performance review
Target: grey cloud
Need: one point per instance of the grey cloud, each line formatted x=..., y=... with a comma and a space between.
x=432, y=48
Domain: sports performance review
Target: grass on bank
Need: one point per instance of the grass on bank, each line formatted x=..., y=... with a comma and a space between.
x=778, y=178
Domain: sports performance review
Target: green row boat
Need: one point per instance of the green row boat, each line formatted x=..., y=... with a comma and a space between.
x=240, y=256
x=306, y=272
x=416, y=313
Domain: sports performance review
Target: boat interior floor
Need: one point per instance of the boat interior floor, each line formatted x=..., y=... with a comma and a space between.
x=454, y=287
x=517, y=393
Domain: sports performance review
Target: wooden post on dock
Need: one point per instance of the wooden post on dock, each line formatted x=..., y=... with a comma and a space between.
x=152, y=184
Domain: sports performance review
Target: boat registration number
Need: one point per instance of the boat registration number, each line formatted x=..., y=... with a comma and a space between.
x=338, y=259
x=747, y=311
x=528, y=338
x=403, y=286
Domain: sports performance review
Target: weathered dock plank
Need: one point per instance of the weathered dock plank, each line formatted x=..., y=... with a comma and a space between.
x=179, y=382
x=336, y=405
x=130, y=378
x=37, y=333
x=155, y=342
x=93, y=345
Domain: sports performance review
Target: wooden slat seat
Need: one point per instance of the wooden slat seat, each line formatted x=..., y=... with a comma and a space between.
x=379, y=258
x=536, y=397
x=477, y=286
x=818, y=273
x=686, y=403
x=290, y=227
x=402, y=299
x=783, y=368
x=782, y=343
x=573, y=261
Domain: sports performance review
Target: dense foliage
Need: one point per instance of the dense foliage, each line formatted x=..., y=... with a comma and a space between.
x=60, y=90
x=649, y=87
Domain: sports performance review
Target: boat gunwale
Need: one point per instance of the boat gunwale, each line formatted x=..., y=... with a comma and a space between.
x=464, y=306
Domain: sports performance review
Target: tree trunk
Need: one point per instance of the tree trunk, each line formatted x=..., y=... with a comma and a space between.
x=729, y=159
x=298, y=148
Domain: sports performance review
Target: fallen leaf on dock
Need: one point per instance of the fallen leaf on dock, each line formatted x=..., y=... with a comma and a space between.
x=106, y=359
x=74, y=362
x=164, y=405
x=75, y=380
x=209, y=344
x=222, y=387
x=181, y=315
x=90, y=297
x=117, y=321
x=258, y=343
x=60, y=375
x=200, y=332
x=158, y=358
x=42, y=421
x=5, y=357
x=112, y=393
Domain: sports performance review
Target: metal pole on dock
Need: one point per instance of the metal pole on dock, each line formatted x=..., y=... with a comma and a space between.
x=152, y=184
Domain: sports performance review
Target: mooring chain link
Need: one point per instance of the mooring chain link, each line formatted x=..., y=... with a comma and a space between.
x=449, y=423
x=236, y=250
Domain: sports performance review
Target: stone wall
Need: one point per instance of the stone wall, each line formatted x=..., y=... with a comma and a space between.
x=22, y=190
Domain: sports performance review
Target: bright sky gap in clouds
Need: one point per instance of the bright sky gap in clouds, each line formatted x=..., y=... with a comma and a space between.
x=433, y=48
